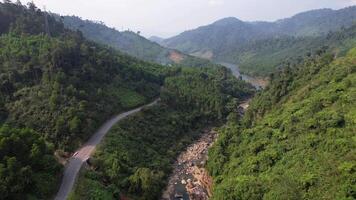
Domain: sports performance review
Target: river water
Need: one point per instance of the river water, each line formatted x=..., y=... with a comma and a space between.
x=257, y=82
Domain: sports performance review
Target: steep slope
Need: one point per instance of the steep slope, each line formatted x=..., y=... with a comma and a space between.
x=56, y=88
x=131, y=43
x=232, y=40
x=297, y=140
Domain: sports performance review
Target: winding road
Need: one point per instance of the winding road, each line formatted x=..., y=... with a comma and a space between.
x=82, y=155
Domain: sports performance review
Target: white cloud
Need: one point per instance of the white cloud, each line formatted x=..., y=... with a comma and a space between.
x=215, y=2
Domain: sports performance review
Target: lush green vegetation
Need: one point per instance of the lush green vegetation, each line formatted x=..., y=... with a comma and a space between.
x=64, y=86
x=27, y=166
x=211, y=92
x=56, y=88
x=297, y=140
x=135, y=158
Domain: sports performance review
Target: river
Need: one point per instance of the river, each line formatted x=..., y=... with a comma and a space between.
x=257, y=82
x=189, y=179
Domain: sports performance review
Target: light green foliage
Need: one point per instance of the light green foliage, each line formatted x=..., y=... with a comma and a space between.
x=297, y=139
x=127, y=97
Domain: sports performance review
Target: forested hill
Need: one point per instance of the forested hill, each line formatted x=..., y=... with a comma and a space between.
x=297, y=140
x=239, y=42
x=56, y=88
x=131, y=43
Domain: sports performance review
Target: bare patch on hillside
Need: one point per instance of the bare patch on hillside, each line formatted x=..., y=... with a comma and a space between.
x=176, y=57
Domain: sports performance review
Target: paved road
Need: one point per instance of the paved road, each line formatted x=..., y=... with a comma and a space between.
x=83, y=154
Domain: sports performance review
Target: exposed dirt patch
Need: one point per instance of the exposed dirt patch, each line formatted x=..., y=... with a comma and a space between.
x=175, y=56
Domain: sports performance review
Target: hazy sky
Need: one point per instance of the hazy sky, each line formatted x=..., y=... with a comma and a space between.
x=168, y=17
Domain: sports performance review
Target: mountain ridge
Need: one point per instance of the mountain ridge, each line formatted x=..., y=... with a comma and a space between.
x=131, y=43
x=225, y=40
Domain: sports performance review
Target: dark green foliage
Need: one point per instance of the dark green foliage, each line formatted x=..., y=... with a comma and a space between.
x=27, y=20
x=82, y=82
x=213, y=92
x=27, y=166
x=136, y=157
x=297, y=140
x=64, y=86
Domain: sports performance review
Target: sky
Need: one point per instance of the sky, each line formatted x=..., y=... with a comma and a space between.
x=166, y=18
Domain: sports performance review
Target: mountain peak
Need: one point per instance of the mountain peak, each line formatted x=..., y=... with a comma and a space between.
x=228, y=21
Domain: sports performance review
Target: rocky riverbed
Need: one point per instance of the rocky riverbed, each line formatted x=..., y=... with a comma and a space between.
x=189, y=179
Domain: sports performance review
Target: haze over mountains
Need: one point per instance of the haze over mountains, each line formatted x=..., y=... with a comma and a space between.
x=131, y=43
x=224, y=40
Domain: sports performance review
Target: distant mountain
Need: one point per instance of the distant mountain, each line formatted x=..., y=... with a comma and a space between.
x=226, y=39
x=156, y=39
x=130, y=42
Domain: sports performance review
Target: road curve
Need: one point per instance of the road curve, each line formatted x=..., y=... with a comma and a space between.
x=75, y=163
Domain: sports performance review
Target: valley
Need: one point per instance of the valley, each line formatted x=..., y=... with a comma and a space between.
x=232, y=110
x=189, y=179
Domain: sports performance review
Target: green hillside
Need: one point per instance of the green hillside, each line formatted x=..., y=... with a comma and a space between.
x=56, y=88
x=131, y=43
x=297, y=140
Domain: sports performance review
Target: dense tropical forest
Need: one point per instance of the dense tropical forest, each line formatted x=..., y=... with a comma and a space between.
x=190, y=100
x=56, y=88
x=297, y=140
x=61, y=78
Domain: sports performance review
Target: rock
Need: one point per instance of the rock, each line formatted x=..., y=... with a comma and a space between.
x=184, y=182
